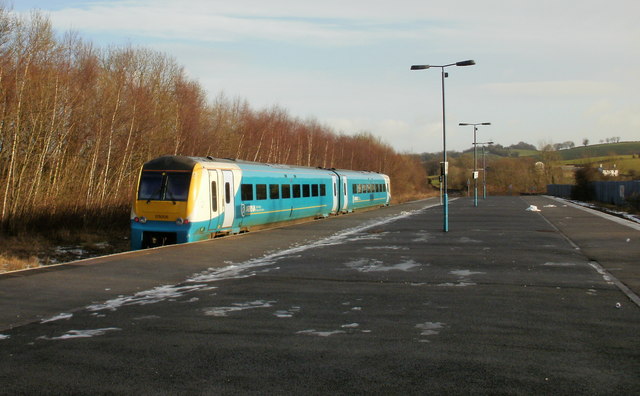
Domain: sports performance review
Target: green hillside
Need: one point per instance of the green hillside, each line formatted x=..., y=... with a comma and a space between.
x=600, y=150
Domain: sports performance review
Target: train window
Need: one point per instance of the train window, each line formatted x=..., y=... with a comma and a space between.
x=274, y=191
x=261, y=191
x=323, y=190
x=164, y=186
x=177, y=186
x=246, y=191
x=227, y=192
x=214, y=196
x=150, y=186
x=296, y=191
x=335, y=189
x=314, y=190
x=355, y=189
x=286, y=191
x=305, y=190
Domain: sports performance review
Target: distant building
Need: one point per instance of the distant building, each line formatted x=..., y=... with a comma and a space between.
x=608, y=172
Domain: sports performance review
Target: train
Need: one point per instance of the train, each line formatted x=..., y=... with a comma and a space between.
x=182, y=199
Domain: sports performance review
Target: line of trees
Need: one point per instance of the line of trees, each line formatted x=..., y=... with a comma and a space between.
x=77, y=122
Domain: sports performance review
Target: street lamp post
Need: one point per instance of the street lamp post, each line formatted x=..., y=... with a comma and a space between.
x=484, y=169
x=475, y=161
x=445, y=168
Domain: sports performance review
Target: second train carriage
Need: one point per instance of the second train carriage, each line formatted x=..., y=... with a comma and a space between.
x=186, y=199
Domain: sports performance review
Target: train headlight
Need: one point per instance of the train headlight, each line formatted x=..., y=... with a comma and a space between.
x=180, y=221
x=140, y=220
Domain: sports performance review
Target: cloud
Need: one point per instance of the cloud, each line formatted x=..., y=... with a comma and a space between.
x=554, y=88
x=204, y=21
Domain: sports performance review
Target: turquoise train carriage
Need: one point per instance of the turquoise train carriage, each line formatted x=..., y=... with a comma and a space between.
x=186, y=199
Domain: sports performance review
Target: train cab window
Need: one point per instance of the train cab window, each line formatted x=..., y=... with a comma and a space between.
x=164, y=186
x=246, y=191
x=314, y=190
x=286, y=191
x=323, y=190
x=214, y=196
x=150, y=186
x=274, y=191
x=296, y=191
x=177, y=186
x=305, y=190
x=261, y=191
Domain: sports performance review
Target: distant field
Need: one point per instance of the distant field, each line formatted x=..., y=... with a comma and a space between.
x=601, y=150
x=624, y=163
x=525, y=153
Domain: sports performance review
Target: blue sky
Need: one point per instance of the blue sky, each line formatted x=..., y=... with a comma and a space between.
x=546, y=71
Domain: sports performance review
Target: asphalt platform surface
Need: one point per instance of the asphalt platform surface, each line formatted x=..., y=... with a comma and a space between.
x=509, y=301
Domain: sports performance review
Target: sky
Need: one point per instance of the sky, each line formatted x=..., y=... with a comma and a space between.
x=547, y=71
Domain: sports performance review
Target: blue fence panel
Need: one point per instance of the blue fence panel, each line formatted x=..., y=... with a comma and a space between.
x=559, y=190
x=611, y=192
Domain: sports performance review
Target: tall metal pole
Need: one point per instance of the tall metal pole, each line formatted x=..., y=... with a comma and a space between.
x=475, y=158
x=484, y=174
x=475, y=167
x=444, y=159
x=445, y=167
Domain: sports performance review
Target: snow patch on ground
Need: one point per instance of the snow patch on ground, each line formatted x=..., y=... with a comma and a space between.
x=388, y=247
x=429, y=329
x=373, y=265
x=468, y=240
x=201, y=281
x=532, y=208
x=157, y=294
x=235, y=307
x=464, y=273
x=287, y=313
x=81, y=334
x=463, y=278
x=65, y=316
x=314, y=332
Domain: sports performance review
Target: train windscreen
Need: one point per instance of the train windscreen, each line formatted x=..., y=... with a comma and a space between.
x=164, y=186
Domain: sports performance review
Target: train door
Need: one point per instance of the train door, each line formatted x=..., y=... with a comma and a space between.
x=214, y=186
x=229, y=204
x=388, y=190
x=345, y=195
x=334, y=209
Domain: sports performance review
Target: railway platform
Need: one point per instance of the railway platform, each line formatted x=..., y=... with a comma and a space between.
x=523, y=295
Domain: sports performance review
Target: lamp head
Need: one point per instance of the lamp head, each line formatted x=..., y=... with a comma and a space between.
x=419, y=67
x=469, y=62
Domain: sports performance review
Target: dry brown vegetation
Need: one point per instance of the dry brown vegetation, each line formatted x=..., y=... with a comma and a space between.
x=77, y=122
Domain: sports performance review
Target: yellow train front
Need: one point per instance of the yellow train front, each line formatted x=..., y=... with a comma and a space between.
x=187, y=199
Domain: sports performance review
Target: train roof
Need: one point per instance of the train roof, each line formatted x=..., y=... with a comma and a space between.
x=178, y=162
